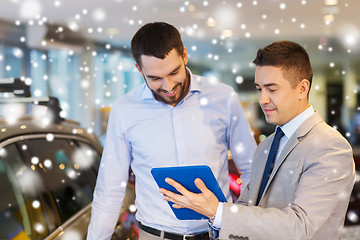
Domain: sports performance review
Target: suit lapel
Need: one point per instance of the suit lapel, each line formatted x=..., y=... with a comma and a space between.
x=295, y=139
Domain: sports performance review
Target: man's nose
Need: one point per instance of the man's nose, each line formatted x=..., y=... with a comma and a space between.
x=263, y=99
x=168, y=84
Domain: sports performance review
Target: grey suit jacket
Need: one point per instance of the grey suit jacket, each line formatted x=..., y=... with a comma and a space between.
x=307, y=193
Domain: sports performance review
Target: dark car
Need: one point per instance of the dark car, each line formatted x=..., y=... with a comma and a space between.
x=48, y=169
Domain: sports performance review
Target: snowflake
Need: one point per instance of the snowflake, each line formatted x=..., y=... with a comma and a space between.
x=204, y=101
x=234, y=209
x=35, y=204
x=3, y=152
x=123, y=184
x=240, y=148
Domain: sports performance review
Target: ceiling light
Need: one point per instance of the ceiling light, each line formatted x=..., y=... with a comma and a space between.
x=227, y=33
x=191, y=8
x=331, y=2
x=329, y=18
x=112, y=31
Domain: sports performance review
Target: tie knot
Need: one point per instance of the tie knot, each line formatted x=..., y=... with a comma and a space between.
x=279, y=133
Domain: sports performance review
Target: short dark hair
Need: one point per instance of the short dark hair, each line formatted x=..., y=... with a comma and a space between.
x=156, y=39
x=290, y=57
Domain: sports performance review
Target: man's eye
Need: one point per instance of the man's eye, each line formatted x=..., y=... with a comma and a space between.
x=272, y=90
x=258, y=89
x=173, y=73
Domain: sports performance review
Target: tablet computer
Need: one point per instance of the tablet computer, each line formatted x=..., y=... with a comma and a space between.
x=186, y=175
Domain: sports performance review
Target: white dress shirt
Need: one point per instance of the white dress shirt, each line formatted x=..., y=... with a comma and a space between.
x=144, y=133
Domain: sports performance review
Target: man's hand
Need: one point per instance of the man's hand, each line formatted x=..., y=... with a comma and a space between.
x=205, y=203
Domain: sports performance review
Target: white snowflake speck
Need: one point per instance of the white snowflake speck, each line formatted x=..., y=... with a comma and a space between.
x=132, y=208
x=239, y=79
x=352, y=216
x=71, y=173
x=123, y=184
x=3, y=152
x=50, y=137
x=35, y=204
x=48, y=163
x=35, y=160
x=240, y=148
x=99, y=15
x=343, y=195
x=204, y=101
x=39, y=228
x=234, y=208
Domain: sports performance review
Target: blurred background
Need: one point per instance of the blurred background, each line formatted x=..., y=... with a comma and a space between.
x=78, y=51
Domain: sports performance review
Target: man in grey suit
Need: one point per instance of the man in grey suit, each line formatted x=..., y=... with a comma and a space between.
x=303, y=192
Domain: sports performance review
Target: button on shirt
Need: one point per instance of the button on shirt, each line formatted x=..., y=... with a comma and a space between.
x=289, y=129
x=145, y=133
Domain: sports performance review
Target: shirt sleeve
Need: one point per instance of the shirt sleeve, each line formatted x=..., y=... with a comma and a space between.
x=241, y=141
x=218, y=216
x=111, y=181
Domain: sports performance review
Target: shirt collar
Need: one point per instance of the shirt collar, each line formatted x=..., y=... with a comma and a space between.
x=290, y=127
x=194, y=86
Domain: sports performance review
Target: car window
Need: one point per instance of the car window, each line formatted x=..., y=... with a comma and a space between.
x=21, y=214
x=43, y=183
x=68, y=171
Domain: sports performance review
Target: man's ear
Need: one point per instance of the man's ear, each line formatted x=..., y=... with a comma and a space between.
x=138, y=68
x=304, y=88
x=185, y=55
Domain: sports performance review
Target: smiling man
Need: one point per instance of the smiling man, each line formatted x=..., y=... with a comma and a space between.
x=174, y=119
x=302, y=175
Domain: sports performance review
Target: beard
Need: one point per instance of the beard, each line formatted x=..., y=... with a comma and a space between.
x=180, y=88
x=181, y=91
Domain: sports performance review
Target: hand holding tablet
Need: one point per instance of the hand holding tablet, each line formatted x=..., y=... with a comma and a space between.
x=186, y=175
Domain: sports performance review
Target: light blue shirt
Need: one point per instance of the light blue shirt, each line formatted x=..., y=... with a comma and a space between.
x=145, y=133
x=289, y=129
